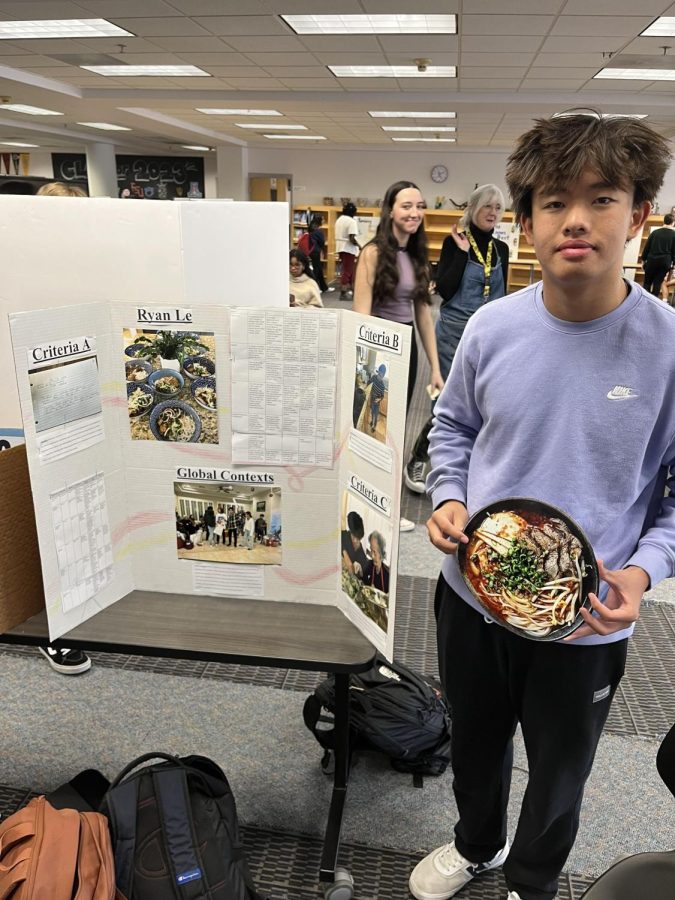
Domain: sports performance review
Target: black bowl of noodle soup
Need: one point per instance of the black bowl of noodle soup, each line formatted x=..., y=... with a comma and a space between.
x=530, y=566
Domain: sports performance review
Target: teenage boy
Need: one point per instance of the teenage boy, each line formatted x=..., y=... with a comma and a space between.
x=564, y=392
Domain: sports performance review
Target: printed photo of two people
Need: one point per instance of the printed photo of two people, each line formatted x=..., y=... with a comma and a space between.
x=371, y=392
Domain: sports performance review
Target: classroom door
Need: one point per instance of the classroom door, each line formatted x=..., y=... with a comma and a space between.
x=270, y=188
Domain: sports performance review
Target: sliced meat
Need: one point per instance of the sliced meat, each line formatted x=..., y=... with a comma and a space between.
x=551, y=565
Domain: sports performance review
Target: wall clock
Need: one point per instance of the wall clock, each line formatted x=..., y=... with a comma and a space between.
x=439, y=174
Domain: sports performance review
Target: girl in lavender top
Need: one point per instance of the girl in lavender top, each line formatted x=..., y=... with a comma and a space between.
x=392, y=278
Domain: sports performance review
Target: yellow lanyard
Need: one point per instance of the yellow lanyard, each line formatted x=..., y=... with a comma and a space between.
x=487, y=266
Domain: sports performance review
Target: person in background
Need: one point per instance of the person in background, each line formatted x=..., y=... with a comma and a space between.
x=472, y=270
x=354, y=558
x=658, y=256
x=58, y=189
x=249, y=528
x=392, y=279
x=313, y=244
x=303, y=289
x=347, y=248
x=260, y=528
x=210, y=524
x=530, y=410
x=231, y=527
x=377, y=392
x=375, y=573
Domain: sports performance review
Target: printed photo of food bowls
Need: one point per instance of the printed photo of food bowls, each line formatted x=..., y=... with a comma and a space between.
x=171, y=385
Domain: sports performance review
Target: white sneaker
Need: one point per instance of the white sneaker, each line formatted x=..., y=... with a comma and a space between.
x=513, y=895
x=406, y=525
x=445, y=871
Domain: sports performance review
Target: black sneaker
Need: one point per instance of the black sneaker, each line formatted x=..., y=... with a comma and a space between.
x=415, y=475
x=67, y=662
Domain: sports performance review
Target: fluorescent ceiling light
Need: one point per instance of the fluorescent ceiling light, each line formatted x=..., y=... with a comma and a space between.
x=29, y=110
x=104, y=126
x=413, y=115
x=638, y=74
x=426, y=140
x=16, y=144
x=61, y=28
x=194, y=147
x=567, y=115
x=664, y=26
x=372, y=24
x=151, y=71
x=295, y=137
x=418, y=128
x=269, y=126
x=393, y=72
x=239, y=112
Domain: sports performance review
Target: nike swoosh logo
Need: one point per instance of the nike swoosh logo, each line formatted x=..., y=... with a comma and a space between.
x=622, y=393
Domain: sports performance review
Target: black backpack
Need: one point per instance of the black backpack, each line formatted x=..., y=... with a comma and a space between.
x=391, y=709
x=175, y=832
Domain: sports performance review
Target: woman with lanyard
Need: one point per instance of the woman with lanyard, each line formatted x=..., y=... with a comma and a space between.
x=392, y=278
x=472, y=270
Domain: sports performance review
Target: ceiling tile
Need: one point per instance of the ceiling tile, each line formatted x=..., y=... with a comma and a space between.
x=262, y=44
x=431, y=7
x=533, y=83
x=629, y=26
x=224, y=58
x=242, y=25
x=489, y=84
x=215, y=7
x=34, y=9
x=504, y=60
x=418, y=44
x=518, y=25
x=329, y=42
x=562, y=60
x=497, y=43
x=162, y=26
x=108, y=9
x=580, y=44
x=469, y=72
x=180, y=44
x=283, y=59
x=296, y=71
x=660, y=87
x=311, y=84
x=255, y=84
x=516, y=7
x=250, y=70
x=53, y=45
x=619, y=85
x=645, y=46
x=613, y=7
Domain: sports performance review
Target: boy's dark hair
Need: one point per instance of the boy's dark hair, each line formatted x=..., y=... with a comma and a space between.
x=355, y=525
x=349, y=209
x=668, y=219
x=626, y=153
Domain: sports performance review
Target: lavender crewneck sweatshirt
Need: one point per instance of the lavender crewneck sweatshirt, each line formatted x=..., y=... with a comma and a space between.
x=577, y=414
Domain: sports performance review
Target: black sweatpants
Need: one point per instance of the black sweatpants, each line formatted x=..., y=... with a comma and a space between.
x=561, y=696
x=656, y=268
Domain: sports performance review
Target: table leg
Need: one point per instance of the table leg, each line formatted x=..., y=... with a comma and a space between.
x=331, y=845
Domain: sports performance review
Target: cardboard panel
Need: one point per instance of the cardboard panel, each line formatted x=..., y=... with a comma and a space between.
x=21, y=591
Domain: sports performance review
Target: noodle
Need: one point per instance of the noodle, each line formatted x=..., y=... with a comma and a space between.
x=527, y=570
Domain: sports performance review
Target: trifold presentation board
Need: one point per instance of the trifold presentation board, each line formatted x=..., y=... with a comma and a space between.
x=214, y=450
x=56, y=251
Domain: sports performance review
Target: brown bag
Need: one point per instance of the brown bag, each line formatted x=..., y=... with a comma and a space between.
x=56, y=854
